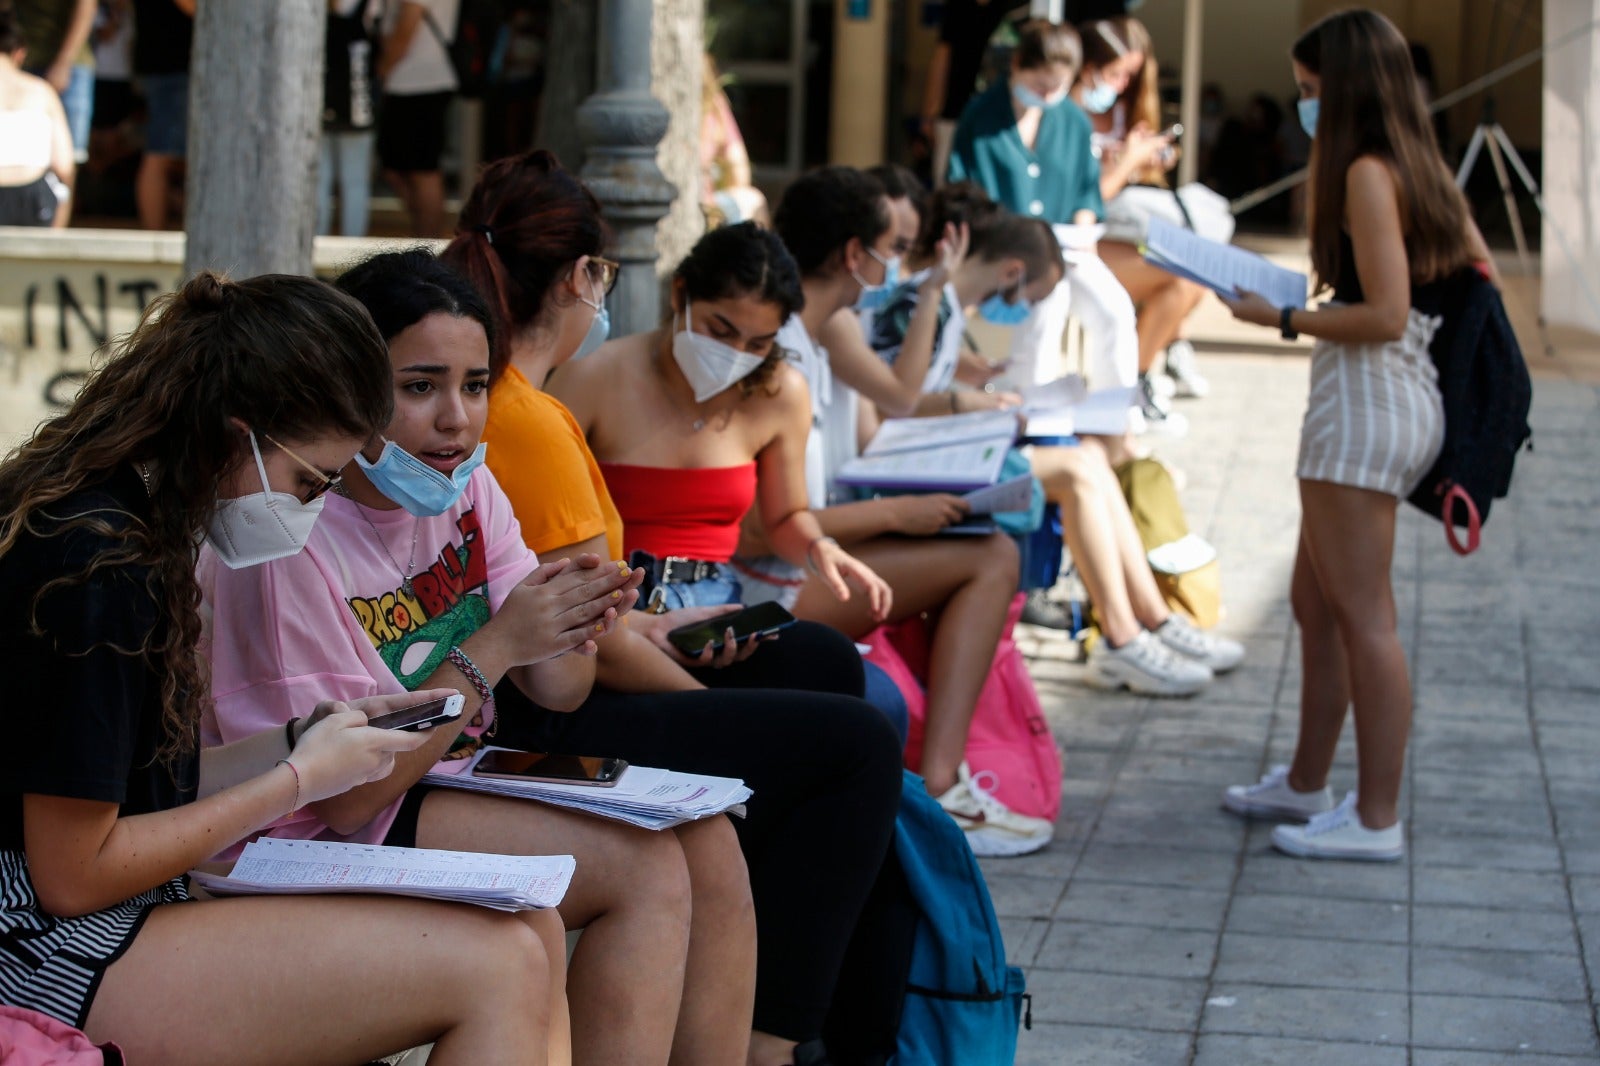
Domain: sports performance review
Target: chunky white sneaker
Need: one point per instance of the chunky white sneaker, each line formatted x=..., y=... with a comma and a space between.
x=1190, y=641
x=1147, y=666
x=1339, y=834
x=991, y=828
x=1271, y=797
x=1187, y=381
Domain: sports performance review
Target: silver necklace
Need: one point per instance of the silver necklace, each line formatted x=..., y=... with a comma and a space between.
x=411, y=562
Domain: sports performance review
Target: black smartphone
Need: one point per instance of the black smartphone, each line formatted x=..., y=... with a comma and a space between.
x=555, y=769
x=762, y=620
x=421, y=716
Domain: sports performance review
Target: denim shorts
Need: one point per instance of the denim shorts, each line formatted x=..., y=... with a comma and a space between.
x=166, y=99
x=707, y=592
x=77, y=100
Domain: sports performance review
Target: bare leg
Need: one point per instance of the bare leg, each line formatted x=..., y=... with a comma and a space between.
x=151, y=190
x=326, y=980
x=1325, y=684
x=1351, y=533
x=1069, y=481
x=630, y=895
x=970, y=582
x=427, y=203
x=719, y=982
x=1164, y=299
x=1144, y=595
x=552, y=933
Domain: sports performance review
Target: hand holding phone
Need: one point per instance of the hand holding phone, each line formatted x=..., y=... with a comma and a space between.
x=762, y=620
x=421, y=716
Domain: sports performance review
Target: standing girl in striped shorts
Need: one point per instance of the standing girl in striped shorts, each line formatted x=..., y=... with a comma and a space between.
x=1387, y=226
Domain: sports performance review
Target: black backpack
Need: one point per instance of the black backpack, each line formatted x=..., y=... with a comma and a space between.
x=349, y=84
x=1484, y=382
x=477, y=48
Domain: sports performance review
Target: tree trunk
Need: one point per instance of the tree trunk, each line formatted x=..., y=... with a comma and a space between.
x=676, y=45
x=256, y=87
x=568, y=79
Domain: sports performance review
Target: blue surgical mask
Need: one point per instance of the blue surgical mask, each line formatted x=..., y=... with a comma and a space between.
x=416, y=486
x=875, y=296
x=996, y=311
x=1099, y=98
x=1028, y=98
x=599, y=328
x=1308, y=115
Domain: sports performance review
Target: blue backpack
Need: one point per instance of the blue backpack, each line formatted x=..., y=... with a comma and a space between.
x=963, y=1003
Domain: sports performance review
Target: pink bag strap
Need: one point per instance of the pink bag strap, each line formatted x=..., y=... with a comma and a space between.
x=1453, y=495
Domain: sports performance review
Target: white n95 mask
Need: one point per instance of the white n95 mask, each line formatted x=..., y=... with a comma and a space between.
x=263, y=526
x=710, y=365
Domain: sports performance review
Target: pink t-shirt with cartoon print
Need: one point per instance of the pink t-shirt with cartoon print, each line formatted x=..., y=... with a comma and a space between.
x=334, y=621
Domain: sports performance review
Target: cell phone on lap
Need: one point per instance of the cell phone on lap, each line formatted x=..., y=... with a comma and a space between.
x=598, y=770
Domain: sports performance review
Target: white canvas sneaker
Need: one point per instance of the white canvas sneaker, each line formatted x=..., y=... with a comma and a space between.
x=1271, y=797
x=991, y=828
x=1147, y=666
x=1187, y=381
x=1339, y=834
x=1189, y=640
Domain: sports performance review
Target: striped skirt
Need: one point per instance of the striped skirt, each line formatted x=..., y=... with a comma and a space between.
x=1375, y=419
x=54, y=965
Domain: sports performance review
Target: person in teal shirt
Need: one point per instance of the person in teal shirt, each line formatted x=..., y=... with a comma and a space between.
x=1024, y=141
x=1028, y=146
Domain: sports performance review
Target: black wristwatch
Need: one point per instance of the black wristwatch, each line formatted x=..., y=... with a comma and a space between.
x=1284, y=327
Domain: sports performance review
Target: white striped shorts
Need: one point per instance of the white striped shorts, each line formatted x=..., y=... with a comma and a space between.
x=1375, y=419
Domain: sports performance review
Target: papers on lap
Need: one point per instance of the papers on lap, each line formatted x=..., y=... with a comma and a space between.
x=1103, y=412
x=950, y=453
x=1013, y=495
x=643, y=796
x=1221, y=267
x=272, y=866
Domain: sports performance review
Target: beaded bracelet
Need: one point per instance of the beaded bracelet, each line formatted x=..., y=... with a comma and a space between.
x=480, y=684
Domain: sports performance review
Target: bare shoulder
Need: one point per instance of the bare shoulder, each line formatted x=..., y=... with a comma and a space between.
x=1370, y=176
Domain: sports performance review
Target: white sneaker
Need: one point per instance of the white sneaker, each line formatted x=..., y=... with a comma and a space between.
x=1163, y=386
x=991, y=828
x=1271, y=797
x=1339, y=834
x=1189, y=640
x=1147, y=666
x=1187, y=381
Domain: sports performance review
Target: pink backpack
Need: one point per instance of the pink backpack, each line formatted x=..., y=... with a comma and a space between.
x=28, y=1038
x=1010, y=748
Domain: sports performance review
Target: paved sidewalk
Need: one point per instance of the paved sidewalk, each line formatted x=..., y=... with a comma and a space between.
x=1158, y=929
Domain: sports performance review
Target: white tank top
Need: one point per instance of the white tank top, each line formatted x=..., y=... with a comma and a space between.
x=25, y=139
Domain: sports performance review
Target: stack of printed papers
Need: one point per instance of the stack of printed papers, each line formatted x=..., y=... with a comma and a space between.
x=274, y=866
x=1103, y=412
x=642, y=796
x=951, y=453
x=1221, y=267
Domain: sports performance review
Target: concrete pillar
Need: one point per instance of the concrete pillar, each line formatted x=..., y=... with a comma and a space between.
x=1571, y=163
x=620, y=126
x=859, y=111
x=256, y=88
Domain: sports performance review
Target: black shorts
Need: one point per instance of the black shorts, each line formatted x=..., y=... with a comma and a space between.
x=403, y=830
x=411, y=131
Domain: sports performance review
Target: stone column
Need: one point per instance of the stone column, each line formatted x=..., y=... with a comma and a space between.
x=254, y=120
x=620, y=126
x=1571, y=161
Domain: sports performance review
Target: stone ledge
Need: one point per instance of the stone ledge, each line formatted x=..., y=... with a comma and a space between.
x=21, y=243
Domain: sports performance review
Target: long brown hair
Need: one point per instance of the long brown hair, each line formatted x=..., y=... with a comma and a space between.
x=1371, y=104
x=526, y=219
x=995, y=232
x=1107, y=40
x=288, y=356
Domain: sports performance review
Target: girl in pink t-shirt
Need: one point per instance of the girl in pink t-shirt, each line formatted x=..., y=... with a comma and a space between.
x=443, y=593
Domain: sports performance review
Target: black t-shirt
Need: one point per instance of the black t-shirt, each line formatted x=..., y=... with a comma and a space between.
x=162, y=37
x=967, y=27
x=81, y=719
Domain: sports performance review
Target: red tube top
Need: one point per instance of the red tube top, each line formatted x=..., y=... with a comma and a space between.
x=692, y=513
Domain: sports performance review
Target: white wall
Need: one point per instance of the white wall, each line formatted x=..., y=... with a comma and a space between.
x=1571, y=164
x=1244, y=45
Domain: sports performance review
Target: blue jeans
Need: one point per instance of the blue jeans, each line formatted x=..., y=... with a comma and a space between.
x=347, y=157
x=707, y=592
x=78, y=102
x=166, y=98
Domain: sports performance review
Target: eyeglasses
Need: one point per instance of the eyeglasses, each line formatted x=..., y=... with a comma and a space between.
x=326, y=482
x=607, y=271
